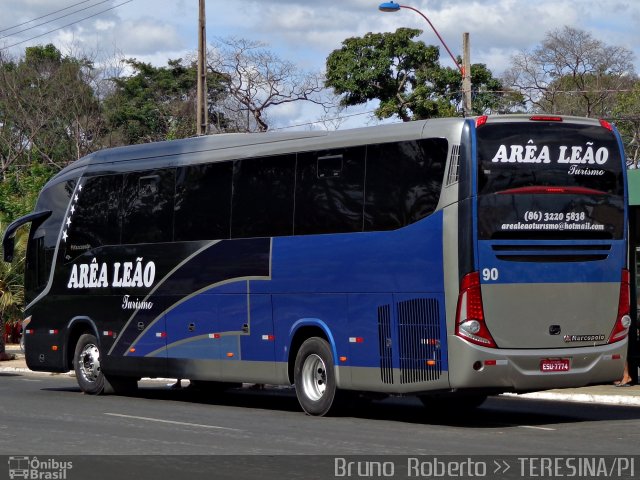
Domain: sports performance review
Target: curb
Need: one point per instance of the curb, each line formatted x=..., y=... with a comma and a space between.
x=620, y=400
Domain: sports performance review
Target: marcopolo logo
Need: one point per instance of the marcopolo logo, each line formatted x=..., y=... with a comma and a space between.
x=38, y=469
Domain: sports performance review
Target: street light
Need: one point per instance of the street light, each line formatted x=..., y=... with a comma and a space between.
x=466, y=77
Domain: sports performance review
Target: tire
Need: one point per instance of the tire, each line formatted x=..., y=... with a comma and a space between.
x=86, y=363
x=314, y=377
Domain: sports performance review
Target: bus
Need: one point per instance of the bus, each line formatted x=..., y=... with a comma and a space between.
x=450, y=259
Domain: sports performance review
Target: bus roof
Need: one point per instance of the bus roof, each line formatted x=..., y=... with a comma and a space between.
x=220, y=147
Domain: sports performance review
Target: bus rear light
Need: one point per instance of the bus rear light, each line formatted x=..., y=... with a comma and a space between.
x=606, y=125
x=545, y=118
x=623, y=320
x=481, y=120
x=470, y=323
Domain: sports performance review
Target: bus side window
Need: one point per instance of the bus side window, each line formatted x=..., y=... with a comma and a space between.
x=404, y=180
x=94, y=221
x=330, y=191
x=203, y=202
x=146, y=208
x=262, y=200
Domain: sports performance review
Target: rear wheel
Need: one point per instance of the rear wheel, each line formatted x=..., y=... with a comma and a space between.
x=314, y=377
x=86, y=363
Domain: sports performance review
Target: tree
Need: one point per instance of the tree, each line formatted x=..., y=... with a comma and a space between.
x=153, y=103
x=406, y=78
x=48, y=111
x=571, y=73
x=627, y=119
x=12, y=289
x=257, y=80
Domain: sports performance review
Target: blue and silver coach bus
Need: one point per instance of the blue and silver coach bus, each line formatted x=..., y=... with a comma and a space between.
x=448, y=258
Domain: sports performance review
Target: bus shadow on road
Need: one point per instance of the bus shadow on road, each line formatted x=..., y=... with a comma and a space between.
x=496, y=412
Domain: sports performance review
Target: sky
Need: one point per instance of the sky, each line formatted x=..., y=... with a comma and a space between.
x=306, y=31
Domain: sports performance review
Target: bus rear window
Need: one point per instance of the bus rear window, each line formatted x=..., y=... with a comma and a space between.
x=514, y=156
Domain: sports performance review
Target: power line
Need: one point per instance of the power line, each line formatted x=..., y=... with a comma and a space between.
x=53, y=19
x=43, y=16
x=65, y=26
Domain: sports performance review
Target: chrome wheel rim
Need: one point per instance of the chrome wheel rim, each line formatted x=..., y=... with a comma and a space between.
x=314, y=377
x=89, y=362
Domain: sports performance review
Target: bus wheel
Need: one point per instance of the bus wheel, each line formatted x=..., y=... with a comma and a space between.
x=314, y=377
x=86, y=362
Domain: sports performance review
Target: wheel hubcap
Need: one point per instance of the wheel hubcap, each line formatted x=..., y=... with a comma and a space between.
x=89, y=362
x=314, y=377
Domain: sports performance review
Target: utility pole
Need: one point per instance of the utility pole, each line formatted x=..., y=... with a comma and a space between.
x=201, y=103
x=466, y=74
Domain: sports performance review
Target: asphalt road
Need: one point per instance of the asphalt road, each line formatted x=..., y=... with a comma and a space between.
x=48, y=415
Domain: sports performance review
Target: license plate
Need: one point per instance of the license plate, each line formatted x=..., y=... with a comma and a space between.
x=555, y=365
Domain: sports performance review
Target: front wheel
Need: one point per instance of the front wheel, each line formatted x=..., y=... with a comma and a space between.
x=314, y=377
x=86, y=363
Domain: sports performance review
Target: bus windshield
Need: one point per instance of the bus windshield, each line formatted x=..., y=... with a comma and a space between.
x=549, y=180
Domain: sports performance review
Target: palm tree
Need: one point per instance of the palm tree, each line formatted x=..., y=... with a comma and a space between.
x=12, y=289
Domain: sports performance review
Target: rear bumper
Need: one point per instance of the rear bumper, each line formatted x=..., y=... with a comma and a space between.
x=519, y=370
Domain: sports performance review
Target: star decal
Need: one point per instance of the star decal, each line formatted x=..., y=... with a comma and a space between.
x=68, y=221
x=64, y=235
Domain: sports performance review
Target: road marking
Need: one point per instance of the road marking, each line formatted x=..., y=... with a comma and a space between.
x=538, y=428
x=30, y=380
x=172, y=422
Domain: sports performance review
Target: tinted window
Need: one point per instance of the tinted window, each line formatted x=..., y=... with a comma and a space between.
x=147, y=206
x=330, y=191
x=403, y=182
x=203, y=202
x=262, y=200
x=516, y=155
x=43, y=238
x=551, y=181
x=93, y=219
